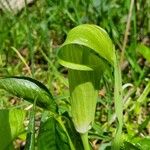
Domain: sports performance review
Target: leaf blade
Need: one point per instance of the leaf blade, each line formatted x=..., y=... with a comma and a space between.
x=29, y=89
x=11, y=125
x=144, y=51
x=51, y=136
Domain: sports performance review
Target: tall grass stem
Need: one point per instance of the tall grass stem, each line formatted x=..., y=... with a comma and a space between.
x=126, y=32
x=30, y=40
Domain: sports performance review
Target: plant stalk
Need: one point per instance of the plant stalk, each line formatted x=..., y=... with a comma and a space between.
x=64, y=128
x=84, y=137
x=126, y=32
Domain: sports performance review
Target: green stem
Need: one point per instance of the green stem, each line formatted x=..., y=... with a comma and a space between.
x=64, y=128
x=118, y=105
x=85, y=141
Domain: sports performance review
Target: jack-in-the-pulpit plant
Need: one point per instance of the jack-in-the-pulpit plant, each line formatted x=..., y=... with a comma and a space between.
x=87, y=53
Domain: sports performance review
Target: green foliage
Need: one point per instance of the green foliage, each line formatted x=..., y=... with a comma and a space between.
x=30, y=90
x=144, y=143
x=11, y=126
x=52, y=136
x=137, y=144
x=144, y=51
x=128, y=145
x=87, y=52
x=36, y=33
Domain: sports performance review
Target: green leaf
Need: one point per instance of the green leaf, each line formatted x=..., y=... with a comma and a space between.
x=137, y=143
x=74, y=135
x=11, y=125
x=52, y=136
x=144, y=143
x=144, y=51
x=29, y=89
x=141, y=99
x=141, y=143
x=130, y=146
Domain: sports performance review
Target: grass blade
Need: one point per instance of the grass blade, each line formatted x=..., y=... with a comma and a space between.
x=30, y=140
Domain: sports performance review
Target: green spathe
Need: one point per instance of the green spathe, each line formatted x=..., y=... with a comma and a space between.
x=84, y=91
x=87, y=53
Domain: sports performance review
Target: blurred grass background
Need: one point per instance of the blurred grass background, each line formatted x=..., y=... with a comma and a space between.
x=29, y=41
